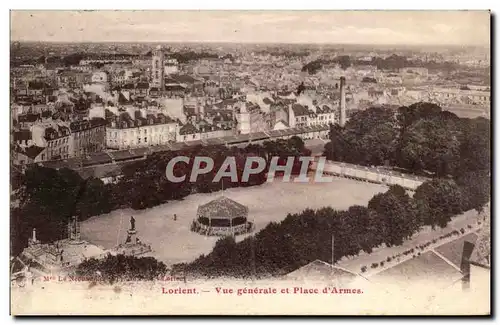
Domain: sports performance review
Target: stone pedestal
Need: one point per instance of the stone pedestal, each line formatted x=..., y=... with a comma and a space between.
x=133, y=236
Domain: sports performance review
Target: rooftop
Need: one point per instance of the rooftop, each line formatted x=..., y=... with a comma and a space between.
x=223, y=208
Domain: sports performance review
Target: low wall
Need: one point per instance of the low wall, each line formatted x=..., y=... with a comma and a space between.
x=221, y=231
x=371, y=174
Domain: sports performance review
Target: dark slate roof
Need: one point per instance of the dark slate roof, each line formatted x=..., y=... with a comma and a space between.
x=37, y=85
x=188, y=129
x=186, y=79
x=33, y=151
x=22, y=135
x=28, y=118
x=174, y=88
x=223, y=208
x=78, y=126
x=267, y=101
x=299, y=110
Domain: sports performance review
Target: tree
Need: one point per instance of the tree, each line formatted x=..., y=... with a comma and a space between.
x=438, y=200
x=475, y=148
x=122, y=267
x=398, y=219
x=432, y=145
x=476, y=189
x=368, y=138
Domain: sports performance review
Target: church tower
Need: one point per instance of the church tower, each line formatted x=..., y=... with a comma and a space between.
x=158, y=70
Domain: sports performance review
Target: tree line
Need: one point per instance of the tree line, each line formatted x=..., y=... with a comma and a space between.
x=391, y=63
x=48, y=197
x=420, y=138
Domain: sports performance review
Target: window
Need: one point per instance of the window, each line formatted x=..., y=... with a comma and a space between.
x=145, y=139
x=138, y=140
x=43, y=156
x=185, y=137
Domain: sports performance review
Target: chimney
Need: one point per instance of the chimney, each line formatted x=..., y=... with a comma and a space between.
x=342, y=102
x=465, y=264
x=34, y=235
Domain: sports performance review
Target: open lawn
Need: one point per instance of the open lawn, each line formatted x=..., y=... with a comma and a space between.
x=173, y=242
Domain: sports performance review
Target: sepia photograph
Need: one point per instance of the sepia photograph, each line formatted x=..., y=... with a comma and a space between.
x=271, y=162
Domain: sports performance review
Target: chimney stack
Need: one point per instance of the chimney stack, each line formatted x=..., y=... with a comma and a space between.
x=342, y=102
x=465, y=264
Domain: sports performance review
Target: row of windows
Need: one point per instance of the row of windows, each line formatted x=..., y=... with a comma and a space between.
x=58, y=151
x=87, y=132
x=321, y=118
x=139, y=140
x=138, y=132
x=57, y=142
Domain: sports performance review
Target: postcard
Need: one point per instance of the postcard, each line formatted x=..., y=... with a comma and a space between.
x=250, y=162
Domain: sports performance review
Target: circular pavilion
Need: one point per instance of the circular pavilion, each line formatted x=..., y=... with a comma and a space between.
x=222, y=217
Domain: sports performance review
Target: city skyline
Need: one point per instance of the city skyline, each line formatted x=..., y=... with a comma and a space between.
x=313, y=27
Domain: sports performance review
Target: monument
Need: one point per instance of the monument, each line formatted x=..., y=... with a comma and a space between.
x=133, y=245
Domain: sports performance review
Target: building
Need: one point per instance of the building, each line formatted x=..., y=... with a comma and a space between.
x=250, y=118
x=72, y=79
x=55, y=138
x=171, y=66
x=463, y=96
x=157, y=69
x=29, y=155
x=222, y=217
x=87, y=136
x=62, y=256
x=203, y=130
x=138, y=128
x=100, y=77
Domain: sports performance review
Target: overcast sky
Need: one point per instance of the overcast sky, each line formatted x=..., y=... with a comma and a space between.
x=359, y=27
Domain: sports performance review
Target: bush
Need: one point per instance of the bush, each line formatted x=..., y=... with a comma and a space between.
x=434, y=241
x=462, y=230
x=381, y=263
x=469, y=226
x=389, y=259
x=374, y=265
x=363, y=269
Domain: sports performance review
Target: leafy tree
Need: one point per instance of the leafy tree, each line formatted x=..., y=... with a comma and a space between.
x=122, y=267
x=398, y=219
x=476, y=189
x=438, y=200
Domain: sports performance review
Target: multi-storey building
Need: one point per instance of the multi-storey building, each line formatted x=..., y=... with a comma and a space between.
x=139, y=129
x=72, y=79
x=54, y=137
x=204, y=130
x=87, y=136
